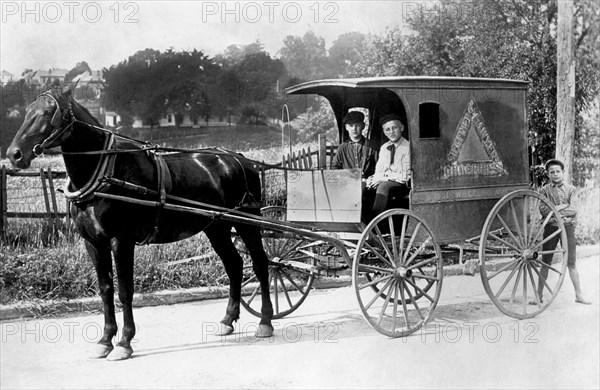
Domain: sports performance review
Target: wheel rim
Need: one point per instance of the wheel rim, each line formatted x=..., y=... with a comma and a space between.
x=511, y=250
x=397, y=275
x=291, y=270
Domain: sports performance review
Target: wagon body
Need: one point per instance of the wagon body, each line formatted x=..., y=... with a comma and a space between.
x=468, y=140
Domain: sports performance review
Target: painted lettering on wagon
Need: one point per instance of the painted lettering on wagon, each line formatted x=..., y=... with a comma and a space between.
x=473, y=152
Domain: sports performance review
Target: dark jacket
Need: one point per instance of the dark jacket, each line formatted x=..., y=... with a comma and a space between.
x=362, y=154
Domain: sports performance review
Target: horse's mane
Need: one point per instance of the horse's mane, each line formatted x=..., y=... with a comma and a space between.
x=85, y=109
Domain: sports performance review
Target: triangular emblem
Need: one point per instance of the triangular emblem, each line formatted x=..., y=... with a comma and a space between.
x=473, y=152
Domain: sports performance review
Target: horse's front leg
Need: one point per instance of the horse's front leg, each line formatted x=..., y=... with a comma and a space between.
x=99, y=253
x=260, y=264
x=123, y=251
x=220, y=239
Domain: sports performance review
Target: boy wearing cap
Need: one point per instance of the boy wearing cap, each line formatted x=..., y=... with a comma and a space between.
x=392, y=168
x=357, y=152
x=560, y=194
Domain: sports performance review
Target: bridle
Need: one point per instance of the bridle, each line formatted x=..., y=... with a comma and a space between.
x=57, y=120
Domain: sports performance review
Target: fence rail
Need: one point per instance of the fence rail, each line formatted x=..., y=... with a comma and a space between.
x=47, y=177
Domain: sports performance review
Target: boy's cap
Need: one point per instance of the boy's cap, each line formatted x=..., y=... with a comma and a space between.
x=354, y=117
x=554, y=162
x=389, y=117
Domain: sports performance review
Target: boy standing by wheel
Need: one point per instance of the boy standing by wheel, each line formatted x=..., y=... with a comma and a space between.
x=561, y=195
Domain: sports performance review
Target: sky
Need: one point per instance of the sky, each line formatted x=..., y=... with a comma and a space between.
x=58, y=34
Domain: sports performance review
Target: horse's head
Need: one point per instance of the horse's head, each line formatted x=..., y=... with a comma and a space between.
x=47, y=122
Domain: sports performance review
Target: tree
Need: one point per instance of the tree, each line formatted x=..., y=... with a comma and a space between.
x=316, y=121
x=305, y=57
x=150, y=84
x=346, y=51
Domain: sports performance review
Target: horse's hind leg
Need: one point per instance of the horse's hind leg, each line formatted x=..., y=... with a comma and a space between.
x=123, y=251
x=260, y=263
x=220, y=238
x=100, y=256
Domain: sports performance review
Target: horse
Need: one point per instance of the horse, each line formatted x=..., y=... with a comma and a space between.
x=112, y=226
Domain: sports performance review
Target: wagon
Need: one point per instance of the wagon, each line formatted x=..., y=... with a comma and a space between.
x=470, y=193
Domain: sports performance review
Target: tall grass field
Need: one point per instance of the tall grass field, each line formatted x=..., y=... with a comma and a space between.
x=41, y=261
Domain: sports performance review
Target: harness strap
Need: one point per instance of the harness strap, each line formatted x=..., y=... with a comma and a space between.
x=164, y=183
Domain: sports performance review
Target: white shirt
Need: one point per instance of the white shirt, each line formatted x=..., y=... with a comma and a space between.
x=399, y=170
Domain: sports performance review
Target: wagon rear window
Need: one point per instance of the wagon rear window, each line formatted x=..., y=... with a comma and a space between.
x=429, y=120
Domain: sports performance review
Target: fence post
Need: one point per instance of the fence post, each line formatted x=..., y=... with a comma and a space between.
x=53, y=199
x=45, y=192
x=3, y=202
x=322, y=156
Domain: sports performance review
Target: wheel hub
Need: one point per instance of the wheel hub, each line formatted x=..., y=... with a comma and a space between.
x=402, y=272
x=529, y=254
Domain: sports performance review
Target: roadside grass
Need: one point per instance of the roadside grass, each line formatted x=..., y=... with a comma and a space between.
x=40, y=261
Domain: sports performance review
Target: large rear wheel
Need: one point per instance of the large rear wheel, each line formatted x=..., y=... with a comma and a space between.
x=514, y=276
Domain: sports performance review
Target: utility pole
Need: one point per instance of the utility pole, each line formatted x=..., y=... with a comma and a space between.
x=565, y=88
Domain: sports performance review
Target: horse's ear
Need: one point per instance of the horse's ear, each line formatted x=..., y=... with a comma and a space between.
x=68, y=90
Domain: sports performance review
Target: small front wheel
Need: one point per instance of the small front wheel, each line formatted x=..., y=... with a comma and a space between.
x=397, y=273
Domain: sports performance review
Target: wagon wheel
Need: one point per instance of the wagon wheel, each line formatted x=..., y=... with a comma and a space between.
x=397, y=273
x=510, y=252
x=292, y=270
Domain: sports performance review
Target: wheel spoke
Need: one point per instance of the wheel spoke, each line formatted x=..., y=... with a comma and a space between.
x=379, y=255
x=533, y=217
x=419, y=289
x=525, y=303
x=495, y=237
x=393, y=238
x=384, y=244
x=542, y=279
x=414, y=301
x=373, y=268
x=551, y=252
x=253, y=295
x=550, y=267
x=516, y=222
x=285, y=291
x=541, y=228
x=402, y=238
x=550, y=236
x=412, y=239
x=385, y=303
x=375, y=281
x=288, y=277
x=426, y=277
x=395, y=307
x=525, y=211
x=422, y=263
x=509, y=231
x=502, y=269
x=535, y=292
x=516, y=285
x=378, y=294
x=404, y=308
x=418, y=251
x=506, y=281
x=249, y=281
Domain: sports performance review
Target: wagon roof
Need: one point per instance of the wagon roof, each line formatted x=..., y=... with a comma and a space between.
x=320, y=86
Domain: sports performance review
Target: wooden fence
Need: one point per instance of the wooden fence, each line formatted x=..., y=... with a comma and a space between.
x=47, y=177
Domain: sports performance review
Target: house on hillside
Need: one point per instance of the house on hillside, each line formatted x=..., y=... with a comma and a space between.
x=7, y=77
x=112, y=119
x=43, y=77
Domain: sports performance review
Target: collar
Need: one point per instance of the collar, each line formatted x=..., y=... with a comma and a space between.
x=557, y=185
x=361, y=141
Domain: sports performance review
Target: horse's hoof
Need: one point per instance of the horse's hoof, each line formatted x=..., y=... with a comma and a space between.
x=264, y=331
x=120, y=353
x=100, y=351
x=225, y=329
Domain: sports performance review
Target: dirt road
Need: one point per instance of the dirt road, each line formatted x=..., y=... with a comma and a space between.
x=325, y=344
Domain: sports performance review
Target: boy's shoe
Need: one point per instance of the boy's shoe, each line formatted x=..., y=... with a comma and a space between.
x=583, y=301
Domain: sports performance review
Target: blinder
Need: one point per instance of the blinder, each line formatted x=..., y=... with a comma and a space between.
x=55, y=122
